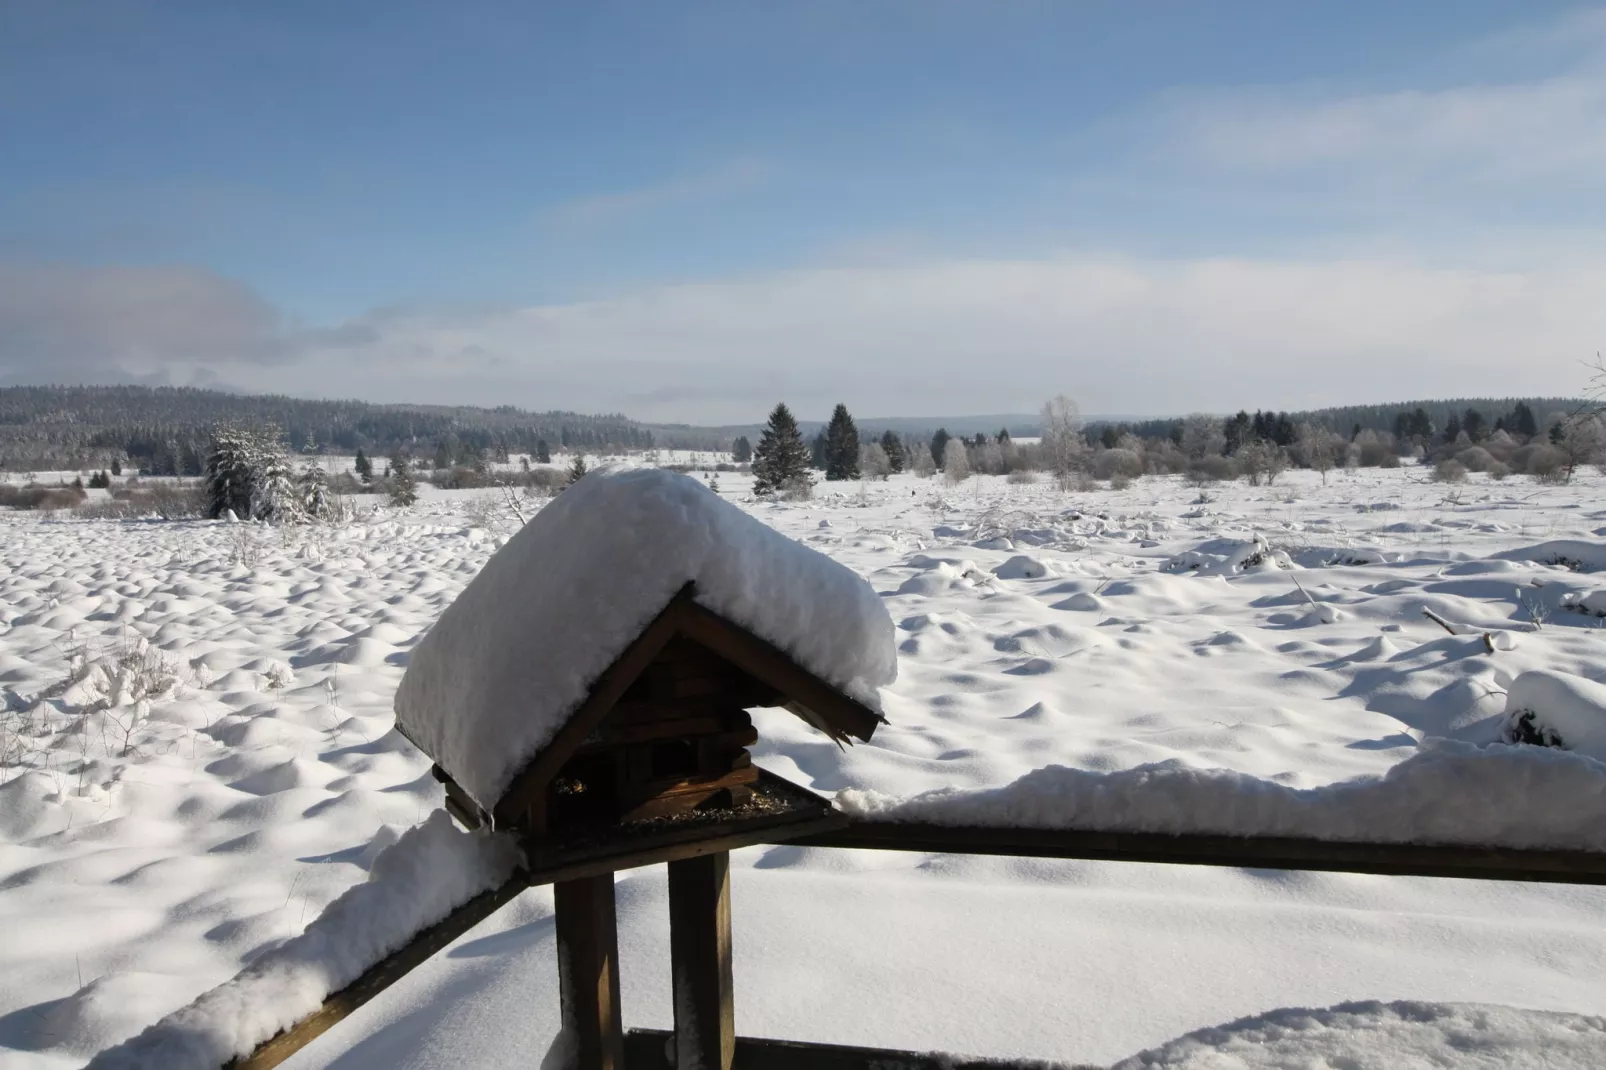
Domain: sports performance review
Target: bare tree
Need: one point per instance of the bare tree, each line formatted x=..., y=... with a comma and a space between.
x=1318, y=447
x=874, y=462
x=955, y=461
x=1063, y=447
x=921, y=462
x=1202, y=437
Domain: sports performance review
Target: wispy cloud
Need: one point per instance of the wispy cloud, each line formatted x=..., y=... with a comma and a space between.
x=736, y=177
x=1546, y=129
x=1123, y=335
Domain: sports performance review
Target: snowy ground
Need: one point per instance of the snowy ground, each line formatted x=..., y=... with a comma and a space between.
x=237, y=766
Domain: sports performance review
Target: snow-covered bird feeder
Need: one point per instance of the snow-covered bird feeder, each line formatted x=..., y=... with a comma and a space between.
x=593, y=681
x=589, y=691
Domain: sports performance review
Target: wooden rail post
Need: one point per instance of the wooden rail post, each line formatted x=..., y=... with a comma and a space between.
x=588, y=970
x=700, y=960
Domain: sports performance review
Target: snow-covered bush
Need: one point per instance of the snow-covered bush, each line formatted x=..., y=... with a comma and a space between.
x=1475, y=459
x=1557, y=709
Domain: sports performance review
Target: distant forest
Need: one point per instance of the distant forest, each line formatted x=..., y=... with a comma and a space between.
x=165, y=430
x=1350, y=419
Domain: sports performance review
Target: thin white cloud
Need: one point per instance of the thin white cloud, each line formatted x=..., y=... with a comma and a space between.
x=973, y=336
x=1502, y=129
x=1550, y=130
x=738, y=176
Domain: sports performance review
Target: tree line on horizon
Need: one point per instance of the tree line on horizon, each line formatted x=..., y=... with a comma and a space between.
x=1258, y=446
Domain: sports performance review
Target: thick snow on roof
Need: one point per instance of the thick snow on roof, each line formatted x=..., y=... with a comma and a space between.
x=514, y=656
x=1448, y=792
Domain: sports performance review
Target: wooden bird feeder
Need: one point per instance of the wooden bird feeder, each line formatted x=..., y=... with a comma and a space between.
x=653, y=766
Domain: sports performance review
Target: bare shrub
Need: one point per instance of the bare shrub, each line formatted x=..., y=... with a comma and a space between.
x=1262, y=461
x=1120, y=481
x=1212, y=469
x=1107, y=464
x=797, y=489
x=33, y=496
x=1499, y=470
x=1475, y=459
x=1021, y=475
x=1449, y=471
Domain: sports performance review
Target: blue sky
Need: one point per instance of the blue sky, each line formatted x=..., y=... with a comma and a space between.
x=683, y=211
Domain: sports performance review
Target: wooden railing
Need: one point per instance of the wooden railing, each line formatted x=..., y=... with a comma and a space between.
x=700, y=927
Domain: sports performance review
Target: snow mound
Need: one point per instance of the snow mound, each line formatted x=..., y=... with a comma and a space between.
x=1022, y=567
x=1224, y=557
x=512, y=658
x=1575, y=555
x=107, y=1010
x=425, y=875
x=1447, y=792
x=1389, y=1036
x=1557, y=709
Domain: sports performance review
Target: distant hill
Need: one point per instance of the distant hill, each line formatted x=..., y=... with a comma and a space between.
x=166, y=428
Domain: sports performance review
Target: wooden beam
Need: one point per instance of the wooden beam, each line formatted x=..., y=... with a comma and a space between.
x=1245, y=852
x=588, y=971
x=380, y=977
x=527, y=793
x=773, y=667
x=646, y=1050
x=700, y=962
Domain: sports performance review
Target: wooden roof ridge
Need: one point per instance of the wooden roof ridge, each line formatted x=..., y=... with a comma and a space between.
x=818, y=702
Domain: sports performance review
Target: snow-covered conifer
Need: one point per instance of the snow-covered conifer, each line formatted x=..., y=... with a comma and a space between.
x=781, y=457
x=841, y=446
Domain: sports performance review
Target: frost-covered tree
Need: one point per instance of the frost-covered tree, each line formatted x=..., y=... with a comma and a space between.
x=274, y=494
x=1318, y=448
x=317, y=503
x=1202, y=437
x=1064, y=449
x=873, y=462
x=955, y=461
x=403, y=483
x=781, y=457
x=231, y=466
x=841, y=446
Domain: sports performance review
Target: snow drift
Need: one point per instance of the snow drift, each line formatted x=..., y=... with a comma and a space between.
x=513, y=657
x=1447, y=793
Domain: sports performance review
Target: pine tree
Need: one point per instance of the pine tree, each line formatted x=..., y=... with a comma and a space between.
x=316, y=500
x=841, y=446
x=893, y=445
x=364, y=467
x=230, y=470
x=939, y=446
x=543, y=452
x=781, y=456
x=117, y=466
x=274, y=496
x=817, y=451
x=577, y=468
x=403, y=484
x=741, y=450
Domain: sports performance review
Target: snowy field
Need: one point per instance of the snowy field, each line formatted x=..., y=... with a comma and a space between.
x=200, y=758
